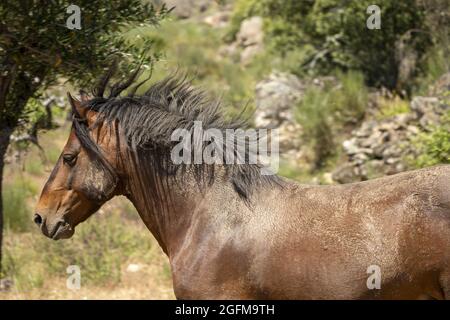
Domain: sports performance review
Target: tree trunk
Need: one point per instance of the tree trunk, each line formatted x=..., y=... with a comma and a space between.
x=5, y=133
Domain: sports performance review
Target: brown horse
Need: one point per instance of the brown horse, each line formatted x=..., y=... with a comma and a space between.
x=230, y=232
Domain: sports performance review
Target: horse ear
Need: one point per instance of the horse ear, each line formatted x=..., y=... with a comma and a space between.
x=77, y=108
x=84, y=96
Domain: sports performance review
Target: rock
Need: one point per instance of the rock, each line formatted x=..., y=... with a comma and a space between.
x=392, y=151
x=251, y=32
x=413, y=129
x=366, y=129
x=378, y=150
x=345, y=173
x=248, y=53
x=350, y=146
x=360, y=158
x=5, y=284
x=218, y=20
x=404, y=119
x=229, y=50
x=132, y=268
x=380, y=147
x=392, y=160
x=429, y=110
x=249, y=40
x=274, y=97
x=375, y=168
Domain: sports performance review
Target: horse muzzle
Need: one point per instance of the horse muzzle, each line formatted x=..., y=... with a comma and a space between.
x=59, y=229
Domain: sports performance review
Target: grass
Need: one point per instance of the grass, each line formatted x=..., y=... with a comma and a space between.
x=193, y=49
x=436, y=64
x=17, y=213
x=34, y=167
x=102, y=246
x=350, y=100
x=433, y=146
x=389, y=107
x=324, y=113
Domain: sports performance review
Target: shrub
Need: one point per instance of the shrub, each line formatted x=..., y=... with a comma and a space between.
x=392, y=107
x=434, y=146
x=16, y=210
x=350, y=100
x=335, y=33
x=314, y=114
x=436, y=64
x=193, y=48
x=324, y=112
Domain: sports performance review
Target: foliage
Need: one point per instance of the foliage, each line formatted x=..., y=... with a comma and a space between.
x=314, y=114
x=436, y=64
x=17, y=212
x=36, y=48
x=333, y=33
x=100, y=247
x=434, y=146
x=192, y=49
x=389, y=107
x=350, y=100
x=324, y=112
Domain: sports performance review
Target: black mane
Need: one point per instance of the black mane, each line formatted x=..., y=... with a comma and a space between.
x=149, y=119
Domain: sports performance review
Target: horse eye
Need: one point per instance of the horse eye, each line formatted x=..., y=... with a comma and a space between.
x=69, y=159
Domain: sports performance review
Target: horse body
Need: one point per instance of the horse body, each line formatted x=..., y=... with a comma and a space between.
x=231, y=233
x=317, y=242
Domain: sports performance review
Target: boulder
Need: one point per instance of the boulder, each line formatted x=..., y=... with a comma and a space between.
x=346, y=173
x=249, y=41
x=251, y=32
x=276, y=98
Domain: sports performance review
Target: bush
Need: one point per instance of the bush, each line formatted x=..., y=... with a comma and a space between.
x=324, y=113
x=193, y=48
x=392, y=107
x=350, y=100
x=434, y=146
x=436, y=64
x=314, y=114
x=335, y=33
x=16, y=210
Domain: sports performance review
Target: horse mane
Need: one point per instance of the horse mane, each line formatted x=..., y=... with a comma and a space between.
x=148, y=120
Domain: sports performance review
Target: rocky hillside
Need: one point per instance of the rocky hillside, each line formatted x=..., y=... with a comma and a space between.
x=381, y=143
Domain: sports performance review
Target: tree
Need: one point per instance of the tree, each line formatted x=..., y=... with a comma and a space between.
x=332, y=34
x=40, y=42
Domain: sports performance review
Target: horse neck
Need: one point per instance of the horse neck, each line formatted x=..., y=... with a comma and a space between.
x=165, y=204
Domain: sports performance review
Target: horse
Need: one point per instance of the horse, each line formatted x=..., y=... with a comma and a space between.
x=229, y=231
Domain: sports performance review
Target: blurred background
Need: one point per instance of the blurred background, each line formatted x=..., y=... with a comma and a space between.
x=351, y=104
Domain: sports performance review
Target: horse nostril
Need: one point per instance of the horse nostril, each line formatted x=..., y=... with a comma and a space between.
x=37, y=219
